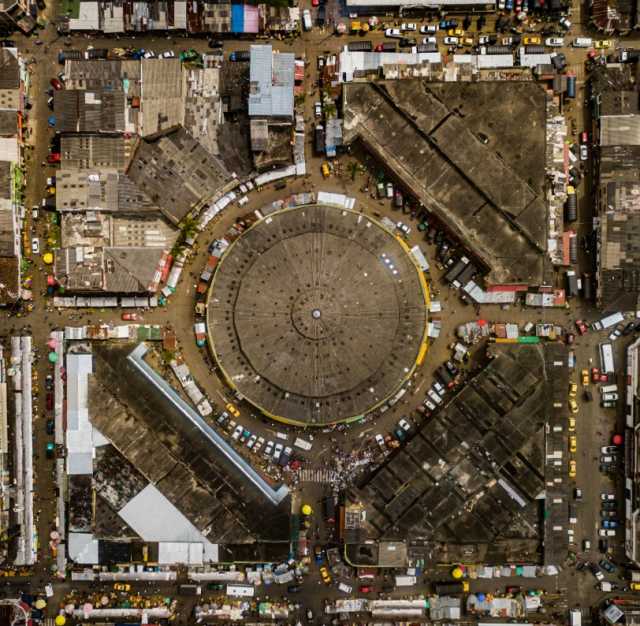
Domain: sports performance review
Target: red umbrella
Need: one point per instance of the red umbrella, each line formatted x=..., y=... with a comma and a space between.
x=618, y=440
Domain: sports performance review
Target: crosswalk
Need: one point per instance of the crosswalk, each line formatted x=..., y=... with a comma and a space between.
x=318, y=476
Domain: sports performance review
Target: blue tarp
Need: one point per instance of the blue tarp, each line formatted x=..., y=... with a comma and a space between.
x=52, y=120
x=237, y=18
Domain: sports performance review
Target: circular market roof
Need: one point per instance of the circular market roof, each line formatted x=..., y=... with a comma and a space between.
x=317, y=314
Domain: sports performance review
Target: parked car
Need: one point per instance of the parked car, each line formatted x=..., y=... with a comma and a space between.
x=258, y=445
x=56, y=84
x=581, y=327
x=607, y=496
x=554, y=42
x=277, y=451
x=392, y=32
x=130, y=317
x=35, y=245
x=451, y=41
x=429, y=29
x=237, y=432
x=380, y=441
x=252, y=441
x=268, y=450
x=408, y=27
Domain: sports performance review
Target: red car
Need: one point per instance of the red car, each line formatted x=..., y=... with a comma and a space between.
x=366, y=589
x=379, y=48
x=56, y=84
x=584, y=137
x=49, y=401
x=130, y=317
x=315, y=3
x=595, y=375
x=582, y=327
x=54, y=157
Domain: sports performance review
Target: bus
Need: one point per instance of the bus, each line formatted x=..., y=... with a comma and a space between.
x=606, y=358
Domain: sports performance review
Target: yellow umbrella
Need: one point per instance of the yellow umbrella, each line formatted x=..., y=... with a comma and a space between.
x=457, y=573
x=47, y=257
x=61, y=620
x=306, y=509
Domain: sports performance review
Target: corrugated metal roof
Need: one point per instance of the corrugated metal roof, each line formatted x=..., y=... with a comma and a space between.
x=416, y=3
x=620, y=130
x=359, y=61
x=88, y=17
x=271, y=79
x=532, y=60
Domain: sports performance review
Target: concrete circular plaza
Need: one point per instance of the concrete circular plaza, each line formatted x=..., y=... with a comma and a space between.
x=317, y=315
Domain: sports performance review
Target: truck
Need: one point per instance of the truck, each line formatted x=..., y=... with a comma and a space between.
x=571, y=205
x=571, y=283
x=240, y=55
x=360, y=46
x=319, y=139
x=406, y=581
x=419, y=258
x=303, y=444
x=200, y=332
x=608, y=321
x=575, y=617
x=69, y=55
x=607, y=365
x=306, y=20
x=456, y=270
x=587, y=286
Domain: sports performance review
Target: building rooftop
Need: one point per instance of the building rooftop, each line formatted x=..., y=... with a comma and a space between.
x=176, y=172
x=458, y=479
x=271, y=81
x=489, y=193
x=94, y=152
x=188, y=476
x=9, y=69
x=321, y=282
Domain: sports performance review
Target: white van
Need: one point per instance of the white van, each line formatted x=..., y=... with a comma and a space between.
x=345, y=588
x=582, y=42
x=609, y=389
x=610, y=397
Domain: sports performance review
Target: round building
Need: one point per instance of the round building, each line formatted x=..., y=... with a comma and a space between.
x=317, y=315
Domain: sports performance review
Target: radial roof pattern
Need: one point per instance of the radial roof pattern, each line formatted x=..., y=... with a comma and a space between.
x=317, y=314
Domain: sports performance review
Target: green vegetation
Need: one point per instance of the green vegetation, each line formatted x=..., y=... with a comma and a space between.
x=70, y=8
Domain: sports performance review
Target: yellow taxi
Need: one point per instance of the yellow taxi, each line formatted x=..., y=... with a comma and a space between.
x=467, y=41
x=326, y=577
x=572, y=424
x=585, y=378
x=573, y=389
x=572, y=468
x=122, y=587
x=603, y=43
x=531, y=40
x=455, y=32
x=325, y=170
x=573, y=443
x=573, y=405
x=634, y=586
x=232, y=409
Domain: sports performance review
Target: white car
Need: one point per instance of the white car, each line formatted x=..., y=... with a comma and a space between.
x=402, y=227
x=429, y=28
x=149, y=54
x=318, y=109
x=35, y=245
x=34, y=212
x=404, y=425
x=565, y=23
x=483, y=40
x=439, y=387
x=434, y=396
x=268, y=451
x=607, y=496
x=258, y=445
x=554, y=42
x=430, y=405
x=169, y=54
x=607, y=532
x=431, y=39
x=392, y=32
x=380, y=442
x=251, y=441
x=408, y=27
x=451, y=41
x=584, y=152
x=277, y=451
x=237, y=432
